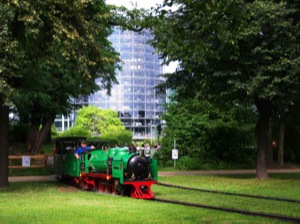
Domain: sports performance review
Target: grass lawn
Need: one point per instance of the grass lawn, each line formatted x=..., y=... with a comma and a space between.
x=31, y=172
x=51, y=202
x=279, y=185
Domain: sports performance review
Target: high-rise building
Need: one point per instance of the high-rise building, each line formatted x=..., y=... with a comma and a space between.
x=64, y=122
x=135, y=98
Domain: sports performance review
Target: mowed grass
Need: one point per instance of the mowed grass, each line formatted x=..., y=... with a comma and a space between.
x=52, y=202
x=279, y=185
x=285, y=185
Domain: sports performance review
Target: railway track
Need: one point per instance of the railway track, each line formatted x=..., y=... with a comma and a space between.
x=243, y=212
x=232, y=194
x=291, y=219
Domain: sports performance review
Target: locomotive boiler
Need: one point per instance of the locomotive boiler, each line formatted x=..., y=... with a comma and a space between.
x=115, y=170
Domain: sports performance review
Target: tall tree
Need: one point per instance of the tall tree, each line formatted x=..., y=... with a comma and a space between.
x=235, y=50
x=51, y=50
x=68, y=67
x=49, y=96
x=3, y=144
x=11, y=60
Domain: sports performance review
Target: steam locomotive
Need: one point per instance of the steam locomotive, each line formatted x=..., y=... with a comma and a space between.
x=114, y=170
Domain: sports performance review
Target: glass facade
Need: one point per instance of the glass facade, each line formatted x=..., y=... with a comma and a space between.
x=135, y=98
x=62, y=122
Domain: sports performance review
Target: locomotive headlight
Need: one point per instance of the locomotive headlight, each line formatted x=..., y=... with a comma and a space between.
x=142, y=187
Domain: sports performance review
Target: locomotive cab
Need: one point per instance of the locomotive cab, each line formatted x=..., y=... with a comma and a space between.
x=114, y=170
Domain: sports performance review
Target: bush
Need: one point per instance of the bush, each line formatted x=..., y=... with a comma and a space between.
x=187, y=163
x=120, y=137
x=76, y=131
x=54, y=132
x=197, y=160
x=110, y=137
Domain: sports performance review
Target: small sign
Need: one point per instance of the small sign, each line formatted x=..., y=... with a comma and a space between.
x=25, y=160
x=174, y=153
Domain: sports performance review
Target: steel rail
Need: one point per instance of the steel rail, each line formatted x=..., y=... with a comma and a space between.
x=233, y=194
x=243, y=212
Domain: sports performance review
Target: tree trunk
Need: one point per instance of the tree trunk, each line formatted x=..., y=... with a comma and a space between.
x=264, y=108
x=270, y=163
x=281, y=142
x=48, y=138
x=42, y=135
x=32, y=137
x=37, y=137
x=4, y=145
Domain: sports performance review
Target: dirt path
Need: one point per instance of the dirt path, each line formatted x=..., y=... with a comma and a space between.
x=32, y=178
x=162, y=174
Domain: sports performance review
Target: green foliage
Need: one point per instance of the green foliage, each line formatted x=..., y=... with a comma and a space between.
x=54, y=132
x=51, y=51
x=11, y=55
x=92, y=121
x=188, y=163
x=129, y=19
x=99, y=121
x=191, y=163
x=120, y=137
x=58, y=41
x=231, y=52
x=32, y=172
x=205, y=131
x=76, y=131
x=56, y=51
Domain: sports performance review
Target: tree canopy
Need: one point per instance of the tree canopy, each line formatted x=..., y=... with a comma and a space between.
x=204, y=131
x=232, y=51
x=100, y=124
x=67, y=52
x=230, y=48
x=98, y=121
x=51, y=51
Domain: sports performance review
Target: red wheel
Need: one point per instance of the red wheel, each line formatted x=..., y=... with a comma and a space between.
x=76, y=181
x=108, y=189
x=101, y=187
x=82, y=185
x=113, y=190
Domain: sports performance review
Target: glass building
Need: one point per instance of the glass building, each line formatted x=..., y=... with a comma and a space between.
x=135, y=98
x=64, y=122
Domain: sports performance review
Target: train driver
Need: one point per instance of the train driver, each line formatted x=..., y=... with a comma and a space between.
x=82, y=148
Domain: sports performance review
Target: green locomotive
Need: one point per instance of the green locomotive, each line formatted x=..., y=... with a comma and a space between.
x=115, y=170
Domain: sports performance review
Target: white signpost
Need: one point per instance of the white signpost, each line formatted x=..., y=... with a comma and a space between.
x=25, y=160
x=174, y=153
